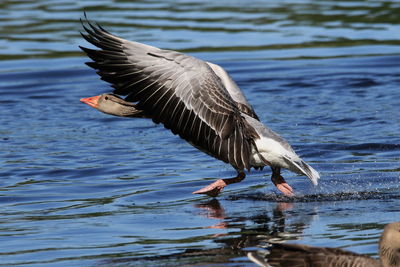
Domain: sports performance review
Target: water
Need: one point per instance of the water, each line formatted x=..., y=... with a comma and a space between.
x=80, y=188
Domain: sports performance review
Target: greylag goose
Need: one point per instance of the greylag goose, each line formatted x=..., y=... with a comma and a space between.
x=196, y=100
x=294, y=255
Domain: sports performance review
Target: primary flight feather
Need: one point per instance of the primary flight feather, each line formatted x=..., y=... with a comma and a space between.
x=196, y=100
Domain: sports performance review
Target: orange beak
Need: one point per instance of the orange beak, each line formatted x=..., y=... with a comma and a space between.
x=91, y=101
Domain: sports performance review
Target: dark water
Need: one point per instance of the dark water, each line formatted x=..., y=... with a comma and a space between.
x=80, y=188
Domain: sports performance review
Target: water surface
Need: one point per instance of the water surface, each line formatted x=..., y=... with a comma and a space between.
x=80, y=188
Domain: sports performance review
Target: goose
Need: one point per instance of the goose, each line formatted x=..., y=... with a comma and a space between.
x=196, y=100
x=295, y=255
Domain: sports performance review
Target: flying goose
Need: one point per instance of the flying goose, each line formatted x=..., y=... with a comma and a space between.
x=196, y=100
x=295, y=255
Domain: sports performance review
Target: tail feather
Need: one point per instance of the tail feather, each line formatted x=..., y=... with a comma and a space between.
x=300, y=167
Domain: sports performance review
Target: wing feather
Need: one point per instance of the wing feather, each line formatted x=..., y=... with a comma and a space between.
x=180, y=91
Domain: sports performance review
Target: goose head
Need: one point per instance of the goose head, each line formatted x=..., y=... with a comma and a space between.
x=389, y=245
x=111, y=104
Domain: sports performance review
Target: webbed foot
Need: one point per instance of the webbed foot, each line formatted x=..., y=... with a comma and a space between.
x=216, y=187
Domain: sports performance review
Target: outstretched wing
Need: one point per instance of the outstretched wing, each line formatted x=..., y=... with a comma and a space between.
x=178, y=90
x=234, y=91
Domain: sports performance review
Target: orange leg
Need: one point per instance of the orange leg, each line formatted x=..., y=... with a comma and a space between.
x=216, y=187
x=280, y=183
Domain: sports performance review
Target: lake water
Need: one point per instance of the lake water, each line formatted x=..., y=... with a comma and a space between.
x=80, y=188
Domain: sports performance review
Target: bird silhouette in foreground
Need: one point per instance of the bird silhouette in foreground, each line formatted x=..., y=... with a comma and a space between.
x=293, y=255
x=196, y=100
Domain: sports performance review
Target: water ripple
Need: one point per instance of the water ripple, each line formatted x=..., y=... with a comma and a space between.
x=322, y=74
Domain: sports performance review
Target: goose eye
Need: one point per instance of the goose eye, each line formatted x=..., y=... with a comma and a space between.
x=106, y=98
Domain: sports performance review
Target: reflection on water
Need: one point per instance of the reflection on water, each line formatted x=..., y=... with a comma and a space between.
x=269, y=222
x=78, y=187
x=265, y=227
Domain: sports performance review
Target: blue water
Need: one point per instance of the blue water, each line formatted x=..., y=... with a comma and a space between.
x=81, y=188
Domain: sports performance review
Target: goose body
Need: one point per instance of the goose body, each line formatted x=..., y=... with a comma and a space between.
x=295, y=255
x=196, y=100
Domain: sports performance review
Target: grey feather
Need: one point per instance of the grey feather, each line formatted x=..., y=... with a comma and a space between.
x=172, y=87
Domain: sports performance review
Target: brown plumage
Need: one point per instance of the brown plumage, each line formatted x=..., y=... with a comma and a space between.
x=294, y=255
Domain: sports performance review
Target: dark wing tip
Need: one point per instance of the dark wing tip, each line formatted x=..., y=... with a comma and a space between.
x=94, y=28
